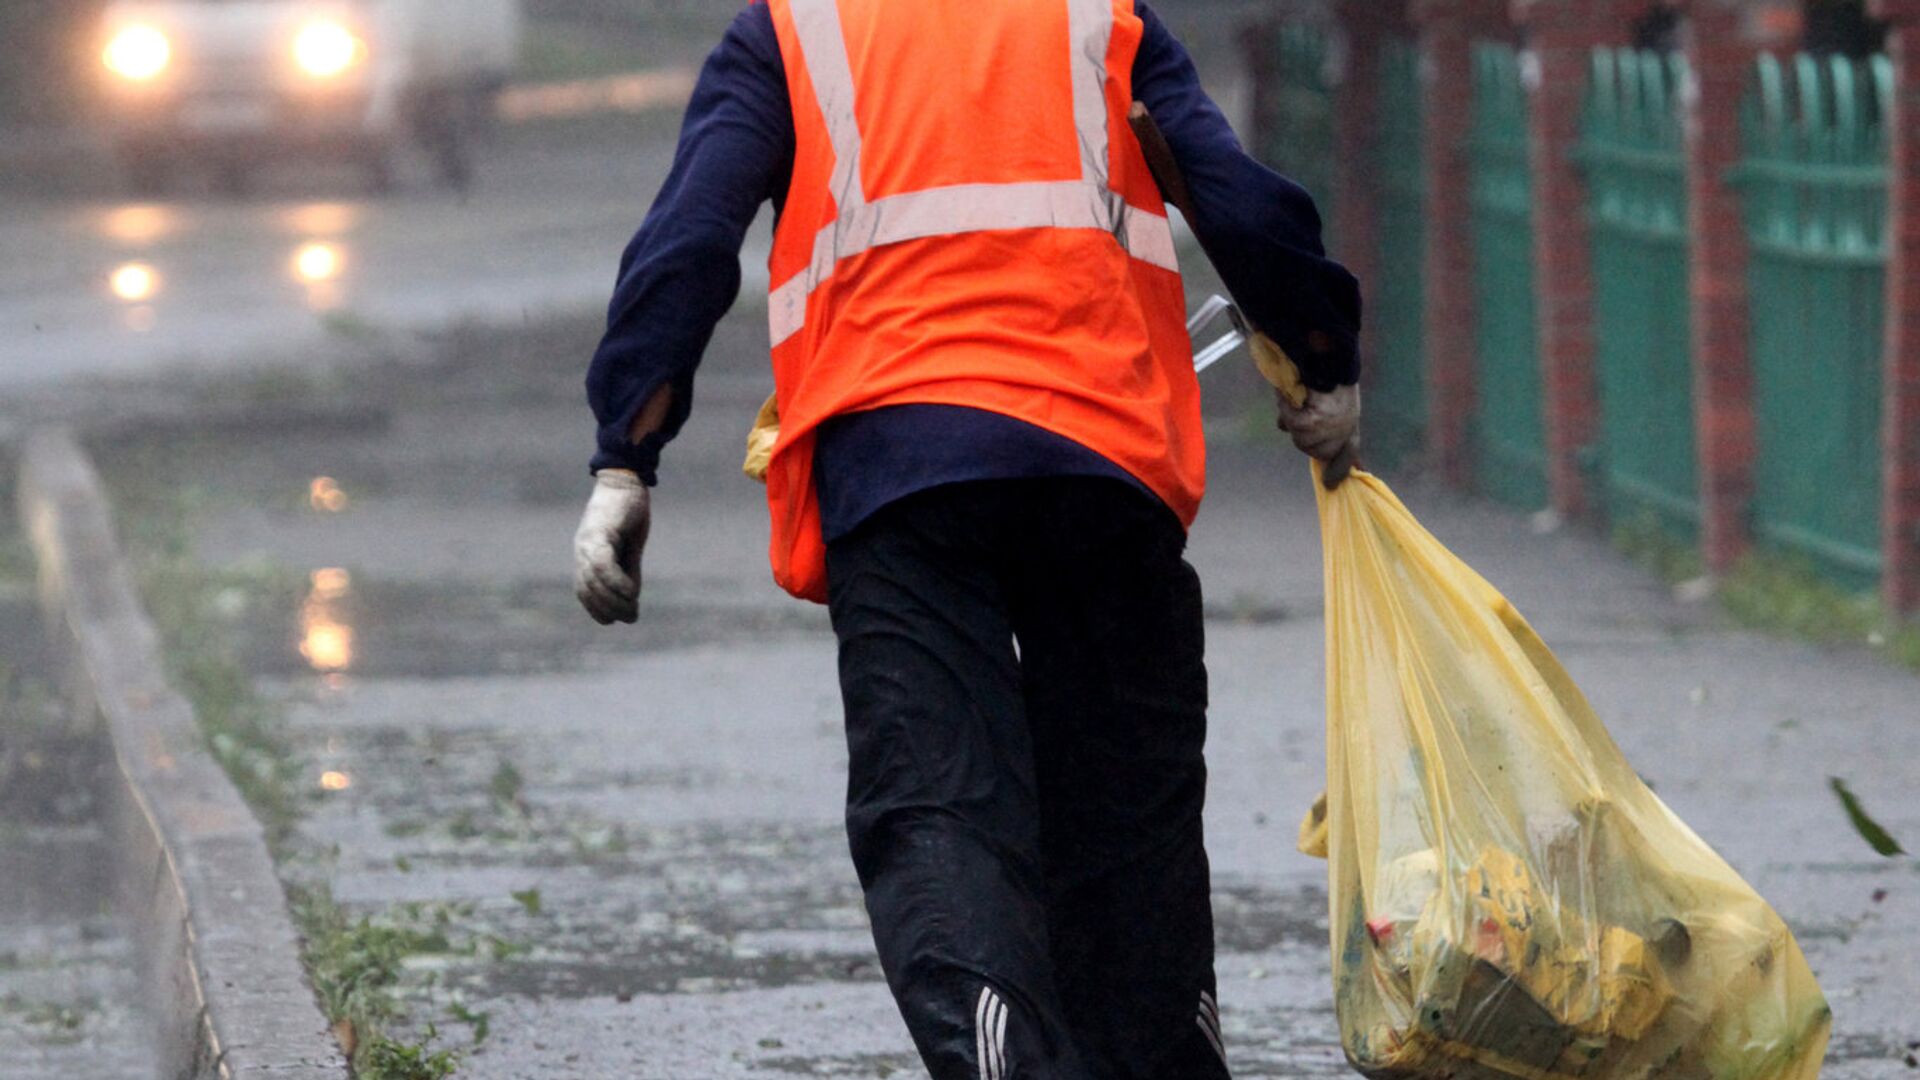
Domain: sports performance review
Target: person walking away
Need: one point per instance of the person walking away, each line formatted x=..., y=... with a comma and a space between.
x=990, y=452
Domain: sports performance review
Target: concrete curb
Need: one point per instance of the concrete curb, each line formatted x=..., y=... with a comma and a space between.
x=218, y=951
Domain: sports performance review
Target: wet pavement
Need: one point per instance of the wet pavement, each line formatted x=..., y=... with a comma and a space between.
x=200, y=280
x=632, y=836
x=69, y=994
x=99, y=283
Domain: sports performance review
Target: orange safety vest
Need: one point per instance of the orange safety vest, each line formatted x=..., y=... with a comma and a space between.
x=972, y=222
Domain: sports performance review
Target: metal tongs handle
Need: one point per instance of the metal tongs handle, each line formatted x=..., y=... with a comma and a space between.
x=1238, y=333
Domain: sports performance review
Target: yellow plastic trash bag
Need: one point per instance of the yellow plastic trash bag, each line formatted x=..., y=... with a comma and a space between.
x=1508, y=898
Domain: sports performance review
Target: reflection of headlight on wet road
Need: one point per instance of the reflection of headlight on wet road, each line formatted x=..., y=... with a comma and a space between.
x=138, y=53
x=316, y=263
x=320, y=219
x=135, y=282
x=325, y=49
x=138, y=224
x=326, y=639
x=325, y=496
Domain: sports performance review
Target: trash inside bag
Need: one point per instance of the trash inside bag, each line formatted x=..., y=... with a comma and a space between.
x=1508, y=898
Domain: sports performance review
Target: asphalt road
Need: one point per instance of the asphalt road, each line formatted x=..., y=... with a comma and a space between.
x=105, y=287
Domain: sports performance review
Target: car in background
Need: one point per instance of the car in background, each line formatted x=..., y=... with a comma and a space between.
x=232, y=85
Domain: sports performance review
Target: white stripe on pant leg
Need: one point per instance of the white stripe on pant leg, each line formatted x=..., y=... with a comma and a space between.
x=1209, y=1022
x=1213, y=1039
x=996, y=1020
x=980, y=1034
x=1000, y=1039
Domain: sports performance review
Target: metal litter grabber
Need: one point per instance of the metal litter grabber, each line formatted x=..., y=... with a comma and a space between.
x=1237, y=333
x=1275, y=365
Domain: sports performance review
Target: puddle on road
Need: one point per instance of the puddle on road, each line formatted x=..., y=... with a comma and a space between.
x=342, y=624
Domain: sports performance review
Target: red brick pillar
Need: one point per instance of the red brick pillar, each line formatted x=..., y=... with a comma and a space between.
x=1720, y=53
x=1359, y=26
x=1448, y=29
x=1900, y=418
x=1562, y=35
x=1257, y=39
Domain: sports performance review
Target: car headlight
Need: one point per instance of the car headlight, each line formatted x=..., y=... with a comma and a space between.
x=138, y=53
x=326, y=49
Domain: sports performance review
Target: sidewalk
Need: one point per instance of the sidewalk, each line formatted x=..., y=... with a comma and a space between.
x=631, y=838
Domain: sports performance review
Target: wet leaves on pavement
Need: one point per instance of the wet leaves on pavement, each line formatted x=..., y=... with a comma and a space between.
x=1870, y=830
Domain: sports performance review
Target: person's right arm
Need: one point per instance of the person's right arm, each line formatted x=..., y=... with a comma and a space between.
x=677, y=279
x=681, y=272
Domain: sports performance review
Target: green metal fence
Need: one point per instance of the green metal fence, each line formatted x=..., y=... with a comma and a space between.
x=1397, y=397
x=1632, y=151
x=1509, y=430
x=1815, y=189
x=1298, y=137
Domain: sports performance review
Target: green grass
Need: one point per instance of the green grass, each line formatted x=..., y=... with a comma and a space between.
x=1785, y=595
x=1777, y=594
x=507, y=787
x=386, y=1059
x=182, y=598
x=355, y=965
x=1647, y=541
x=55, y=1024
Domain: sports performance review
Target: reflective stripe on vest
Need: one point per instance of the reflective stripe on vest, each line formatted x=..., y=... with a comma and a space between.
x=859, y=226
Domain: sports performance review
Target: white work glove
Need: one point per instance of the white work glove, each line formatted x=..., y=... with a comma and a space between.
x=606, y=550
x=1326, y=427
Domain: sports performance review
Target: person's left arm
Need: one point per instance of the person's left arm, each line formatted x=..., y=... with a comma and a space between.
x=1261, y=230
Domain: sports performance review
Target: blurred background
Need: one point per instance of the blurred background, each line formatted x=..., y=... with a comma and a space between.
x=314, y=283
x=1630, y=261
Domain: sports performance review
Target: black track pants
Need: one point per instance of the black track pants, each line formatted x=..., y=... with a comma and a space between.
x=1022, y=662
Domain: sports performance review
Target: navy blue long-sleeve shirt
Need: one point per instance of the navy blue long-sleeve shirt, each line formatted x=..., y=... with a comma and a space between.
x=681, y=273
